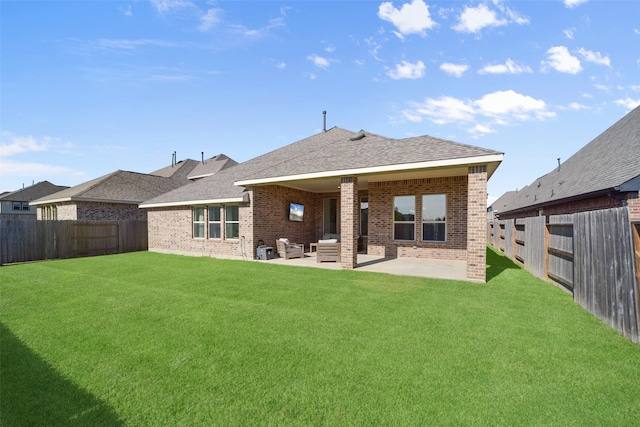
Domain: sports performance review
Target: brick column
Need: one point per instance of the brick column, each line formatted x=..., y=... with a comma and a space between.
x=349, y=221
x=477, y=224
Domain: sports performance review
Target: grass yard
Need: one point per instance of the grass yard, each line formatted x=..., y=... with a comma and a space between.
x=150, y=339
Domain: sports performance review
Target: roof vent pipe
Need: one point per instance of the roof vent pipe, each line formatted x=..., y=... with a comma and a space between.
x=558, y=163
x=324, y=121
x=202, y=154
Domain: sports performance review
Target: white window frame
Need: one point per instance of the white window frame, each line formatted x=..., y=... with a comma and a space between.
x=425, y=204
x=196, y=222
x=228, y=222
x=213, y=223
x=413, y=223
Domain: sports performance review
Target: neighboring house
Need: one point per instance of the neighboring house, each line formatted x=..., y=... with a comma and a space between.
x=605, y=173
x=417, y=197
x=116, y=196
x=15, y=204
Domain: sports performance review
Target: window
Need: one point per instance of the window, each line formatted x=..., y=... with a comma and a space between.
x=25, y=206
x=434, y=212
x=17, y=206
x=330, y=216
x=232, y=221
x=404, y=217
x=215, y=223
x=198, y=223
x=364, y=216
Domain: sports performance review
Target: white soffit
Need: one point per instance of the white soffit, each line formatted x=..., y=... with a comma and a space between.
x=387, y=169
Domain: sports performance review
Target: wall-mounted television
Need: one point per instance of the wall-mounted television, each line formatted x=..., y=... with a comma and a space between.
x=296, y=212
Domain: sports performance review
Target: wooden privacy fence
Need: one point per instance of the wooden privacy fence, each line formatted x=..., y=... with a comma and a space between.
x=26, y=240
x=594, y=255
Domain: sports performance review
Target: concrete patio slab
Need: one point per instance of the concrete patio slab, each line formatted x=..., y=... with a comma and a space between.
x=436, y=269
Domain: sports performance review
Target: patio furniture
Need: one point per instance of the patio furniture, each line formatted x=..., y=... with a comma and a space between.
x=288, y=250
x=328, y=250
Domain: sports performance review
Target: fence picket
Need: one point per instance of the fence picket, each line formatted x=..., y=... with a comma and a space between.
x=25, y=240
x=592, y=254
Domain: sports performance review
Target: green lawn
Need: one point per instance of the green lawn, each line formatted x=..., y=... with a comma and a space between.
x=151, y=339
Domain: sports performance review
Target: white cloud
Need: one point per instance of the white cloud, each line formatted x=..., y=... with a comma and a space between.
x=320, y=61
x=21, y=144
x=562, y=61
x=456, y=70
x=628, y=103
x=496, y=108
x=510, y=104
x=474, y=19
x=568, y=33
x=574, y=3
x=163, y=6
x=509, y=67
x=576, y=106
x=480, y=130
x=281, y=65
x=411, y=18
x=329, y=48
x=210, y=19
x=595, y=57
x=125, y=44
x=407, y=70
x=443, y=110
x=126, y=11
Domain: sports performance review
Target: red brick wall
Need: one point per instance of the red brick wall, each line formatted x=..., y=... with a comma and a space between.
x=381, y=196
x=271, y=215
x=96, y=211
x=349, y=219
x=476, y=224
x=171, y=230
x=633, y=202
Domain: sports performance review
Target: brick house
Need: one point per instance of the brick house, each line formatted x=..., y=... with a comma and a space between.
x=116, y=196
x=605, y=173
x=15, y=204
x=419, y=197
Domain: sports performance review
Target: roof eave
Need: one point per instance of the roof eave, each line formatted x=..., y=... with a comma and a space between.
x=486, y=159
x=82, y=199
x=242, y=199
x=542, y=205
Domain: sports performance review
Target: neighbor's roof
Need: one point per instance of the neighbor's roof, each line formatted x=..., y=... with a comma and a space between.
x=333, y=152
x=211, y=166
x=33, y=192
x=179, y=170
x=116, y=187
x=611, y=162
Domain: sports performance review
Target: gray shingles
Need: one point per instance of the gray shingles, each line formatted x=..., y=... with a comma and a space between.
x=609, y=161
x=33, y=192
x=332, y=150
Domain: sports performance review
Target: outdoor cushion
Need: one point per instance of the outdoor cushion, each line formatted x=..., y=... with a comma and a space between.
x=328, y=241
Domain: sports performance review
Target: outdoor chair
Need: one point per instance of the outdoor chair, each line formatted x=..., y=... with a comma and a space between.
x=288, y=250
x=328, y=250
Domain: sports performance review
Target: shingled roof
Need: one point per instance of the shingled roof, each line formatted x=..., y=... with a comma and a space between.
x=330, y=153
x=115, y=187
x=211, y=166
x=33, y=192
x=609, y=163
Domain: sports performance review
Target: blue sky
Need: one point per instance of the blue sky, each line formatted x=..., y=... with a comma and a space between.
x=89, y=87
